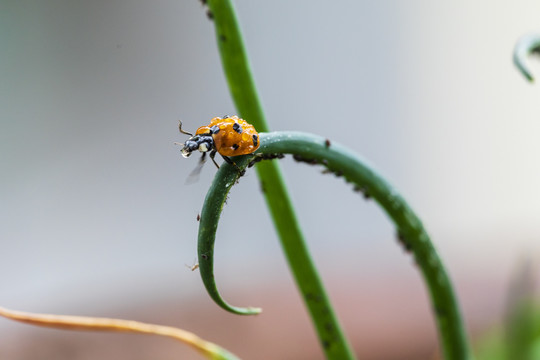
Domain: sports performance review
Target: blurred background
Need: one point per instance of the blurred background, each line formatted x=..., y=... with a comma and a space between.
x=96, y=218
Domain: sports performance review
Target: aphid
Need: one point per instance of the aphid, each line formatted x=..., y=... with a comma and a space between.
x=228, y=136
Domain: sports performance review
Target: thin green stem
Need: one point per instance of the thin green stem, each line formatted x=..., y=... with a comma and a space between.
x=242, y=86
x=343, y=162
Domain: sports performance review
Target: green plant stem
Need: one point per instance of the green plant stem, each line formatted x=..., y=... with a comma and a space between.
x=343, y=162
x=525, y=46
x=242, y=86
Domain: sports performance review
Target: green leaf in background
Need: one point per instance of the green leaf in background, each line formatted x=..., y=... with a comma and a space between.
x=519, y=338
x=522, y=319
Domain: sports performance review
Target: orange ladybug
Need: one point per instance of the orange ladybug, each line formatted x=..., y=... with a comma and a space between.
x=229, y=136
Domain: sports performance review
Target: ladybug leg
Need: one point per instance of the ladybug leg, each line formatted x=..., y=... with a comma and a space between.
x=212, y=156
x=203, y=158
x=228, y=159
x=194, y=176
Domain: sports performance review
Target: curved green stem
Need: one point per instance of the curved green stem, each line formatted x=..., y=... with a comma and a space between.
x=343, y=162
x=242, y=86
x=525, y=46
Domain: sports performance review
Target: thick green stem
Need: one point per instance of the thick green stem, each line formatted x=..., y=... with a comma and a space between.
x=242, y=86
x=317, y=150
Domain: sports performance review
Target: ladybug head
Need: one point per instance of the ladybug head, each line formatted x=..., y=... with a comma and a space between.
x=203, y=143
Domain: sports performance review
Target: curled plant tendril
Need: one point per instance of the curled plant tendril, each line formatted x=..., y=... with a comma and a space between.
x=525, y=46
x=342, y=162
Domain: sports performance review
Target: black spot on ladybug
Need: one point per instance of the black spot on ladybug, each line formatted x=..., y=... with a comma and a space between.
x=255, y=140
x=214, y=129
x=235, y=146
x=237, y=127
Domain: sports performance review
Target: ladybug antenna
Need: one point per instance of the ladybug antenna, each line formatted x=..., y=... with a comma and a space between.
x=182, y=131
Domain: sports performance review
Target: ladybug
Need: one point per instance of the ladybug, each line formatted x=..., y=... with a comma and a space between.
x=228, y=136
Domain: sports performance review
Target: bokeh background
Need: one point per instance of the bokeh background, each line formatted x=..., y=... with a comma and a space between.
x=96, y=218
